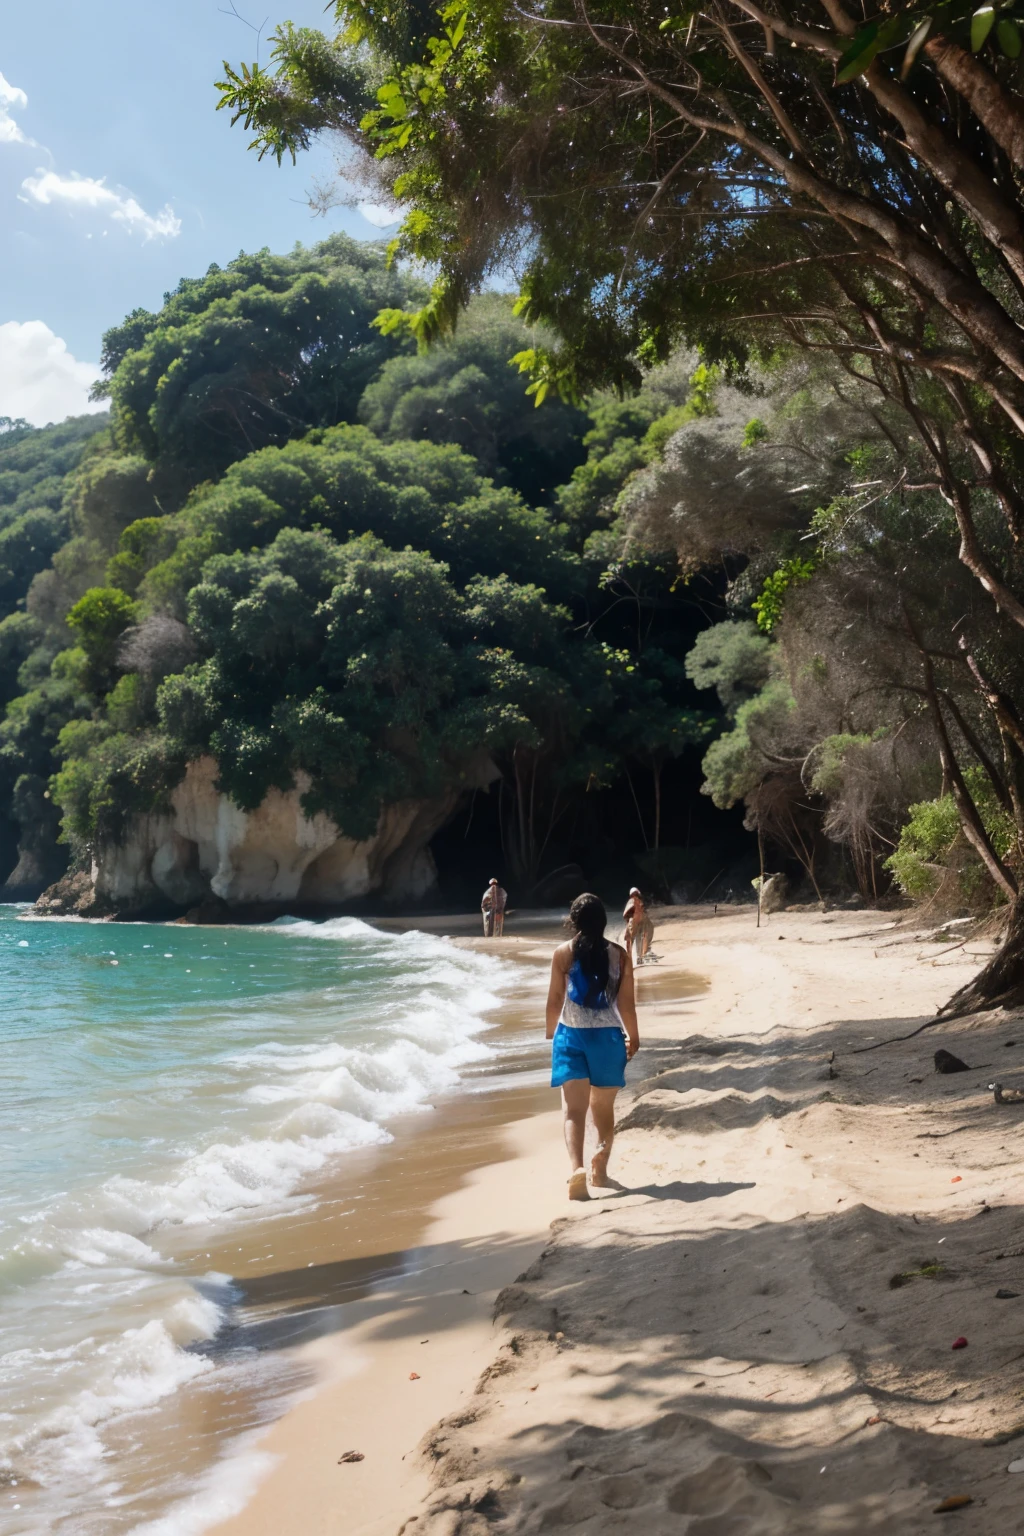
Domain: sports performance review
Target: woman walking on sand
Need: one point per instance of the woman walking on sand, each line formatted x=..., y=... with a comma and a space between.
x=591, y=1020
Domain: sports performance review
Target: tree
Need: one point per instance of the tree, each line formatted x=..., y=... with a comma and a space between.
x=466, y=392
x=860, y=675
x=29, y=736
x=744, y=177
x=345, y=480
x=36, y=466
x=651, y=730
x=99, y=619
x=251, y=354
x=733, y=659
x=358, y=611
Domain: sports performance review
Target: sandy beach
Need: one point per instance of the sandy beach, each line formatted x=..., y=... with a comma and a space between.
x=755, y=1330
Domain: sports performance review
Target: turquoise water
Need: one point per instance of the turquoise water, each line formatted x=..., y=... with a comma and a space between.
x=160, y=1079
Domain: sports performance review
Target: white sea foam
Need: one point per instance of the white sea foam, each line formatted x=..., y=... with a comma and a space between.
x=222, y=1492
x=123, y=1374
x=332, y=928
x=228, y=1179
x=225, y=1110
x=99, y=1246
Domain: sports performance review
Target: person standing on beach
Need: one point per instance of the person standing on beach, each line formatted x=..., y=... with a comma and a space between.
x=639, y=928
x=492, y=905
x=591, y=1021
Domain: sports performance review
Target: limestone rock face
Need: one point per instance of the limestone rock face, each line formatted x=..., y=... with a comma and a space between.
x=207, y=848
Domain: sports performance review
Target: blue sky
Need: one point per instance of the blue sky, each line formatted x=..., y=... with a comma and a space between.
x=118, y=177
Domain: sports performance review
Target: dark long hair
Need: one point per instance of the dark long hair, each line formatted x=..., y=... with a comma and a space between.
x=588, y=920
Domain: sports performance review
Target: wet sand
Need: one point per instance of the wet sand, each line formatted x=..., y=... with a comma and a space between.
x=294, y=1273
x=398, y=1306
x=799, y=1311
x=327, y=1293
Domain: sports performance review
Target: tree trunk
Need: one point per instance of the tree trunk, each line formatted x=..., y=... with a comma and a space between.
x=1000, y=983
x=998, y=110
x=657, y=806
x=639, y=817
x=521, y=813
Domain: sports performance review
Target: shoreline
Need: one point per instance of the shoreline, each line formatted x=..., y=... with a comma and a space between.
x=756, y=1335
x=363, y=1399
x=285, y=1275
x=801, y=1309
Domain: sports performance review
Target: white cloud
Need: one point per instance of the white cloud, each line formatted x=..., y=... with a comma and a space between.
x=85, y=192
x=11, y=96
x=380, y=214
x=80, y=193
x=39, y=378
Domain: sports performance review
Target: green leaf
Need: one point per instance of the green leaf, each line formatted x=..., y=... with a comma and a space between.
x=460, y=27
x=859, y=54
x=917, y=42
x=390, y=321
x=981, y=26
x=894, y=31
x=1008, y=34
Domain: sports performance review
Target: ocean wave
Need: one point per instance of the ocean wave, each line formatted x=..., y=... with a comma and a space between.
x=330, y=928
x=99, y=1247
x=229, y=1179
x=227, y=1112
x=125, y=1374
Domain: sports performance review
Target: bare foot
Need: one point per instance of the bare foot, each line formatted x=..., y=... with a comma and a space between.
x=599, y=1167
x=578, y=1185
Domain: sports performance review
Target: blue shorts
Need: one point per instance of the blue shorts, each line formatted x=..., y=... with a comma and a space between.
x=599, y=1054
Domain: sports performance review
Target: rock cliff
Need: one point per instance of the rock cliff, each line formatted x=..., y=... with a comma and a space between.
x=206, y=853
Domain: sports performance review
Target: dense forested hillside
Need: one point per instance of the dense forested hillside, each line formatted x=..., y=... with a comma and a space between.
x=826, y=203
x=35, y=524
x=301, y=546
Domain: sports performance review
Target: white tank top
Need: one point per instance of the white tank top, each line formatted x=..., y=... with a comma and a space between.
x=605, y=1014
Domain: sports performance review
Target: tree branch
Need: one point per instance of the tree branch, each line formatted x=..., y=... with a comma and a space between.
x=970, y=819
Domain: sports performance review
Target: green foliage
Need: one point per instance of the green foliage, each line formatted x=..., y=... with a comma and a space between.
x=20, y=633
x=35, y=460
x=464, y=392
x=971, y=25
x=251, y=354
x=377, y=609
x=362, y=666
x=735, y=763
x=699, y=179
x=830, y=760
x=769, y=605
x=35, y=469
x=302, y=97
x=107, y=492
x=346, y=481
x=928, y=837
x=106, y=777
x=932, y=850
x=99, y=619
x=27, y=545
x=734, y=659
x=29, y=733
x=627, y=434
x=143, y=544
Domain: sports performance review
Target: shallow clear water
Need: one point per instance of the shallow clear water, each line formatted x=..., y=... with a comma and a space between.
x=159, y=1079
